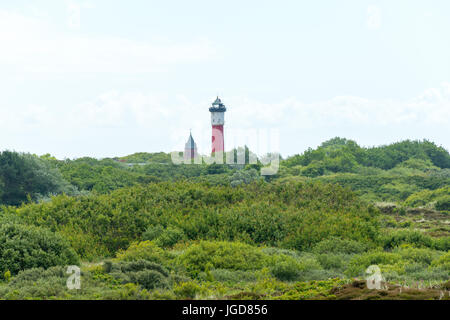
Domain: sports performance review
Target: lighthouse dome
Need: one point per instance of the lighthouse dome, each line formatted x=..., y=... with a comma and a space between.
x=218, y=106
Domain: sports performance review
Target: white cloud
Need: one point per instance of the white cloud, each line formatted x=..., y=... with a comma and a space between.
x=430, y=108
x=120, y=110
x=74, y=8
x=74, y=14
x=33, y=45
x=167, y=119
x=373, y=17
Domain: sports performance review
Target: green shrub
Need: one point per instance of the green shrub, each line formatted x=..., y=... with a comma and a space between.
x=396, y=238
x=417, y=273
x=24, y=247
x=320, y=274
x=419, y=199
x=147, y=274
x=418, y=164
x=273, y=251
x=295, y=215
x=330, y=261
x=442, y=243
x=244, y=177
x=149, y=279
x=170, y=236
x=316, y=168
x=291, y=268
x=187, y=290
x=34, y=274
x=164, y=237
x=152, y=232
x=414, y=268
x=221, y=255
x=443, y=262
x=46, y=284
x=443, y=203
x=145, y=250
x=7, y=276
x=337, y=245
x=417, y=255
x=37, y=283
x=427, y=197
x=233, y=276
x=360, y=263
x=138, y=265
x=308, y=263
x=286, y=268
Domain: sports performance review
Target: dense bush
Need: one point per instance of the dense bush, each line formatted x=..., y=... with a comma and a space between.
x=147, y=274
x=164, y=237
x=149, y=279
x=146, y=250
x=187, y=290
x=231, y=276
x=101, y=176
x=343, y=155
x=442, y=262
x=330, y=261
x=396, y=238
x=23, y=247
x=397, y=172
x=24, y=176
x=292, y=214
x=293, y=267
x=443, y=203
x=420, y=256
x=286, y=270
x=144, y=157
x=152, y=232
x=439, y=196
x=358, y=265
x=337, y=245
x=244, y=177
x=51, y=283
x=214, y=231
x=221, y=255
x=418, y=164
x=37, y=283
x=390, y=186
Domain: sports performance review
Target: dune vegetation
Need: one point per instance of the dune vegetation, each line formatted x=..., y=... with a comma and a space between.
x=141, y=227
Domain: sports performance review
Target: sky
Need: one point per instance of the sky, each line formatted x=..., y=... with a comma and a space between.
x=106, y=78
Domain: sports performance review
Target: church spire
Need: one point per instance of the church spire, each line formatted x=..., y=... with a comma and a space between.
x=190, y=149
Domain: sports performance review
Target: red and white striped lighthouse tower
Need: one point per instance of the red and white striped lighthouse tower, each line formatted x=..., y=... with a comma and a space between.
x=217, y=121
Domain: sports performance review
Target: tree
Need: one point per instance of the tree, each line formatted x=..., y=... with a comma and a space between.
x=25, y=175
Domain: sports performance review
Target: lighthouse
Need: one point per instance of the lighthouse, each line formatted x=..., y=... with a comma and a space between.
x=217, y=121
